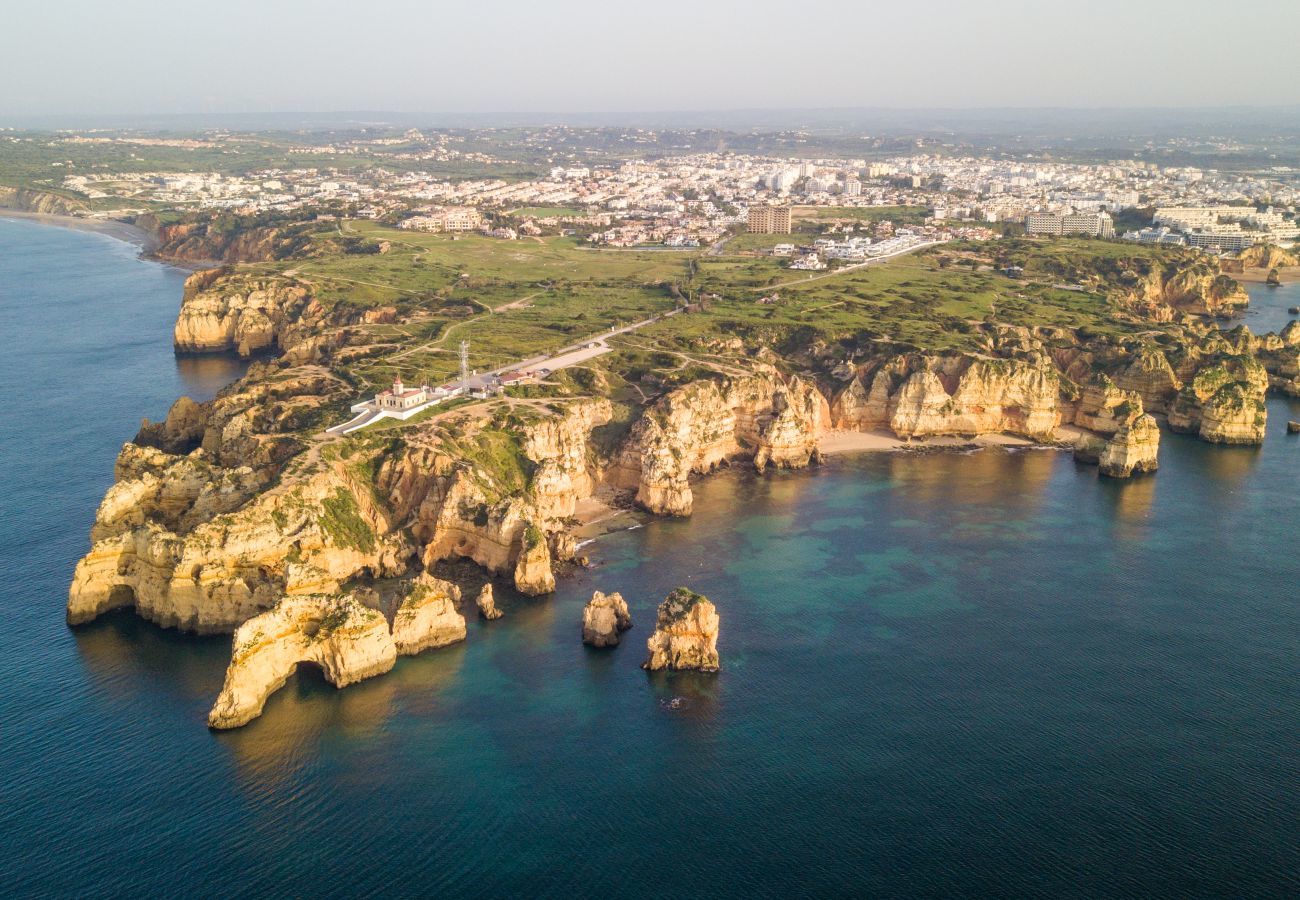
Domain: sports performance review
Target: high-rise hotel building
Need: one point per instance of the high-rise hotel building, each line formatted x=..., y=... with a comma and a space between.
x=769, y=220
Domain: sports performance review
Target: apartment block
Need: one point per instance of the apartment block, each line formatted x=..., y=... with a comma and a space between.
x=1098, y=224
x=769, y=220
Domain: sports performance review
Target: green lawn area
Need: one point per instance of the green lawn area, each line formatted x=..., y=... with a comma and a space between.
x=510, y=299
x=516, y=299
x=909, y=301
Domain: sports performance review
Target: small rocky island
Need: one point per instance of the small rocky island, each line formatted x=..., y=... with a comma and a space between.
x=685, y=635
x=604, y=620
x=487, y=603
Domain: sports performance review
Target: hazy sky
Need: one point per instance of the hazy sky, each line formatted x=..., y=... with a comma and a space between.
x=146, y=56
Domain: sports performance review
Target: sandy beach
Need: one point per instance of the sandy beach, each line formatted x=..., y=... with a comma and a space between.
x=880, y=439
x=123, y=231
x=1285, y=274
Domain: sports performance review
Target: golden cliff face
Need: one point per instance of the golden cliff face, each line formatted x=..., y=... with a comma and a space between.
x=42, y=202
x=1267, y=256
x=1224, y=403
x=560, y=447
x=1150, y=375
x=1104, y=407
x=685, y=635
x=348, y=640
x=921, y=396
x=305, y=537
x=1133, y=449
x=460, y=507
x=344, y=634
x=246, y=314
x=695, y=428
x=1199, y=288
x=195, y=242
x=428, y=616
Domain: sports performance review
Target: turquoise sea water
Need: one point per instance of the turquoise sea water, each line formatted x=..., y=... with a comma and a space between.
x=945, y=675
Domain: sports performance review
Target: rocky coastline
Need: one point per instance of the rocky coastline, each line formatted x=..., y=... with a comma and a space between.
x=240, y=516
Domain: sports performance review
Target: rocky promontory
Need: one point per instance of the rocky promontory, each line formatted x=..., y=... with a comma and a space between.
x=696, y=428
x=228, y=510
x=347, y=640
x=245, y=314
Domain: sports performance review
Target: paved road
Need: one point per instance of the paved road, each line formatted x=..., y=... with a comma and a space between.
x=573, y=354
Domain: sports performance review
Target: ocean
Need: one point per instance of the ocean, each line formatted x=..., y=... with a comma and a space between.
x=949, y=674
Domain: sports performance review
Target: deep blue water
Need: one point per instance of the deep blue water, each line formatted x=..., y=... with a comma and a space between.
x=948, y=675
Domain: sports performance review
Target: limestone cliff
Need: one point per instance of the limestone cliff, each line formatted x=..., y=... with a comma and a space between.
x=1267, y=256
x=1149, y=374
x=920, y=395
x=193, y=565
x=198, y=242
x=1281, y=359
x=1104, y=407
x=487, y=603
x=695, y=428
x=787, y=438
x=427, y=616
x=244, y=313
x=349, y=642
x=533, y=573
x=1133, y=449
x=1196, y=285
x=685, y=635
x=1224, y=403
x=559, y=447
x=501, y=494
x=43, y=202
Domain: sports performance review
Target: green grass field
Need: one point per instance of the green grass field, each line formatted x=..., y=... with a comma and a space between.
x=516, y=299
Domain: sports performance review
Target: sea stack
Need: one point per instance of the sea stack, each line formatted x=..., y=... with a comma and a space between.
x=1132, y=450
x=487, y=604
x=533, y=573
x=604, y=619
x=685, y=635
x=427, y=616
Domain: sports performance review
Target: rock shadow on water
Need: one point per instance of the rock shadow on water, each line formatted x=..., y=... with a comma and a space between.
x=135, y=660
x=988, y=478
x=204, y=376
x=1226, y=465
x=1130, y=503
x=691, y=696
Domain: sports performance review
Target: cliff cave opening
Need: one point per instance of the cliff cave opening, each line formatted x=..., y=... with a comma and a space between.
x=121, y=595
x=310, y=678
